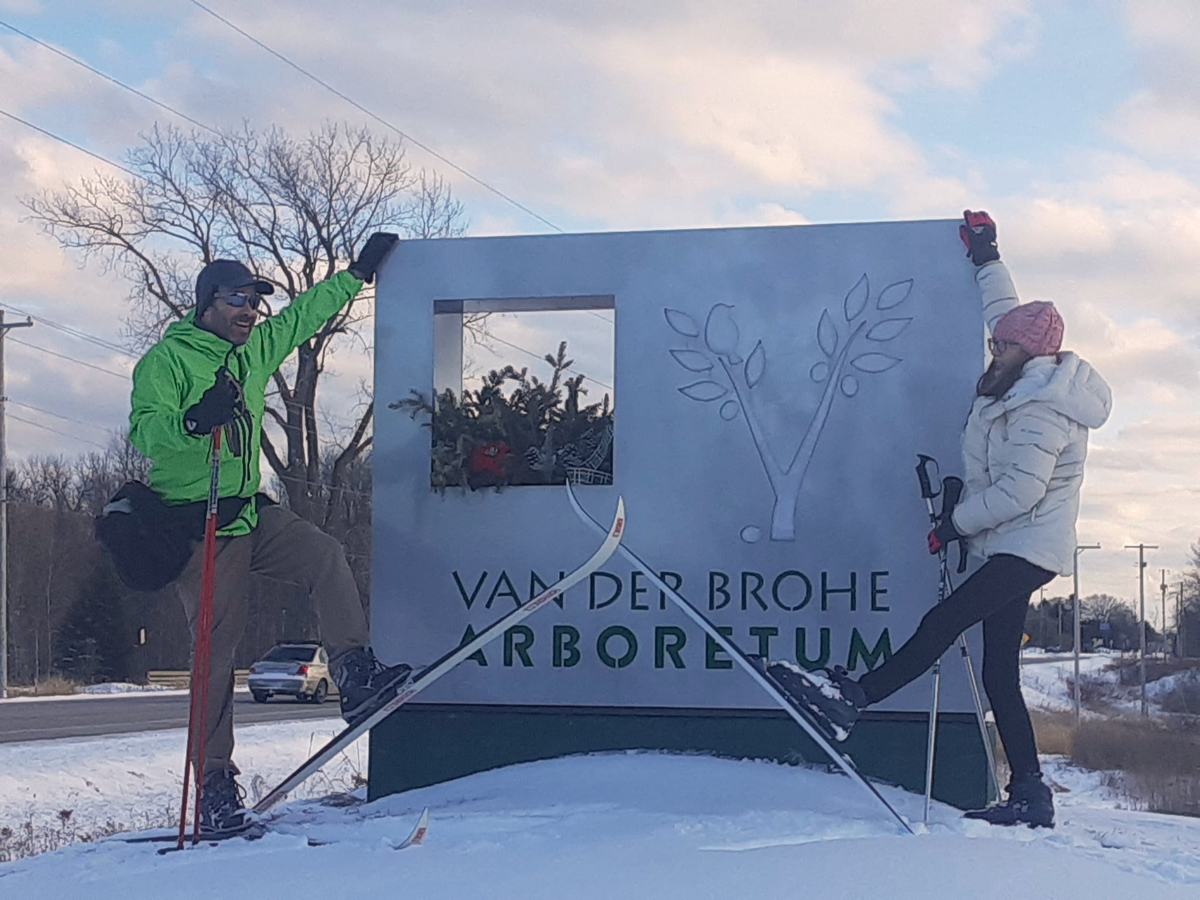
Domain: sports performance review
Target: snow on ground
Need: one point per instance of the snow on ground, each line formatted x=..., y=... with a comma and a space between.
x=1046, y=685
x=1175, y=681
x=114, y=689
x=136, y=778
x=646, y=825
x=122, y=687
x=588, y=827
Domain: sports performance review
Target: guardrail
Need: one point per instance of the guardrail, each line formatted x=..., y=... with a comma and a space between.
x=182, y=678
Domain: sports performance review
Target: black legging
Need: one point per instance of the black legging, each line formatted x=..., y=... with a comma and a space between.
x=997, y=595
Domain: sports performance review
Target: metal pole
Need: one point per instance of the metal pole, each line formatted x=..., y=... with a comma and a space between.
x=1141, y=549
x=1180, y=622
x=1142, y=624
x=4, y=512
x=1078, y=628
x=1163, y=630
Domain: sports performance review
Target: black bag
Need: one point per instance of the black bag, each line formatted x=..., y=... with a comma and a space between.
x=150, y=541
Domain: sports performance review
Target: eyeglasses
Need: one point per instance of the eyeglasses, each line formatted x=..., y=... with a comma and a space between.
x=239, y=299
x=998, y=348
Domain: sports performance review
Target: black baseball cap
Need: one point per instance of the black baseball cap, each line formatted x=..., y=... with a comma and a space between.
x=226, y=273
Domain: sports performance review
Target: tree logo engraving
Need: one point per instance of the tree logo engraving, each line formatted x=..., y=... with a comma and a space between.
x=713, y=352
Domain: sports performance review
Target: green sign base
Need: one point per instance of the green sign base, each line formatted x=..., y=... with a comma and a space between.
x=424, y=744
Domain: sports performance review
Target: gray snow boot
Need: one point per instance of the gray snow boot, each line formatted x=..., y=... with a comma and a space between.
x=1030, y=802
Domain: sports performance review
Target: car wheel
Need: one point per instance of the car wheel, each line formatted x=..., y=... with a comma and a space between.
x=321, y=692
x=260, y=696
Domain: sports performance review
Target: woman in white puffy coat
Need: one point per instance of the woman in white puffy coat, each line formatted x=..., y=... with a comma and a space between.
x=1023, y=451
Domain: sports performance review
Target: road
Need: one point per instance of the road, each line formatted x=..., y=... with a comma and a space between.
x=50, y=719
x=1036, y=659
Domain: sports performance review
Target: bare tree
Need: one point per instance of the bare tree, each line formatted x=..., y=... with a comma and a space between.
x=296, y=210
x=1105, y=608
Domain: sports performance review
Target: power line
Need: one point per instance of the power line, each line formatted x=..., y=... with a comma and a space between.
x=68, y=358
x=74, y=332
x=57, y=415
x=492, y=337
x=377, y=118
x=106, y=77
x=63, y=140
x=65, y=434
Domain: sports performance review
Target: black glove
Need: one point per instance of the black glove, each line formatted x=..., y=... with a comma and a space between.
x=978, y=233
x=218, y=406
x=943, y=536
x=372, y=254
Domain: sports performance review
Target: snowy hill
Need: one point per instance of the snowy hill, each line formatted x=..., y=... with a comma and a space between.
x=646, y=825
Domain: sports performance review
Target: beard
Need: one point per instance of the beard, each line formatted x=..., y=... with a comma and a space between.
x=999, y=378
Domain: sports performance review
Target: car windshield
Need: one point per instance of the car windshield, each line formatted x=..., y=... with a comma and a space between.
x=290, y=654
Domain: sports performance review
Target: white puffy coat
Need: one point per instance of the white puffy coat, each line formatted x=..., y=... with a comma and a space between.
x=1023, y=453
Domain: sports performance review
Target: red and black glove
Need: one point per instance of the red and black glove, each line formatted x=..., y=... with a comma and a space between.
x=943, y=536
x=978, y=233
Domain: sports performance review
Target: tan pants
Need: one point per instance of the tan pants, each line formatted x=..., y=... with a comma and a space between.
x=286, y=548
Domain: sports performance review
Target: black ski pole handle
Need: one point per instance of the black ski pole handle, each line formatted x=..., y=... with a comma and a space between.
x=923, y=463
x=952, y=489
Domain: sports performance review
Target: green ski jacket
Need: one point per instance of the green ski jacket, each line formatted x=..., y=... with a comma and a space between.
x=176, y=371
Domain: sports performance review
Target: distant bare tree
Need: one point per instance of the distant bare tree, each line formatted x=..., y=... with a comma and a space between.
x=295, y=210
x=1105, y=608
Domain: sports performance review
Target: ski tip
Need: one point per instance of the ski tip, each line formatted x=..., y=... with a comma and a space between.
x=619, y=519
x=418, y=834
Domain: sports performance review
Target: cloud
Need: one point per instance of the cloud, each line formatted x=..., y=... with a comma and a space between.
x=1163, y=117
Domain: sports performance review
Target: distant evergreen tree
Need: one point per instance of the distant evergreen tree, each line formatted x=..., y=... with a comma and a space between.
x=94, y=643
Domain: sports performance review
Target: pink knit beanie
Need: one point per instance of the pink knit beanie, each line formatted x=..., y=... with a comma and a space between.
x=1036, y=327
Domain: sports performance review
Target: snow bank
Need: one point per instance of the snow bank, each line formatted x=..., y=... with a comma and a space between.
x=645, y=825
x=1046, y=685
x=119, y=687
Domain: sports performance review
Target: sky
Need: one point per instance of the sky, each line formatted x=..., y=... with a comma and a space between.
x=1074, y=123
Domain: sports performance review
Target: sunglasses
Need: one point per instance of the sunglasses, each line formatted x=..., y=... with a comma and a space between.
x=239, y=299
x=998, y=348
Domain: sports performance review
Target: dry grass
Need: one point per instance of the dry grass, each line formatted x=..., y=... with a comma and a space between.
x=51, y=686
x=1155, y=764
x=36, y=836
x=1054, y=731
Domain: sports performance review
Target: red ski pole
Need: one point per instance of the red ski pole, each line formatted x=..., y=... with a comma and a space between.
x=197, y=714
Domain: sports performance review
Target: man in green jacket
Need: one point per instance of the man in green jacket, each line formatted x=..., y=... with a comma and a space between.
x=210, y=371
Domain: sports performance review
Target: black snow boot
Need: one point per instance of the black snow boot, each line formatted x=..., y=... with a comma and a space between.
x=830, y=698
x=1030, y=802
x=222, y=804
x=364, y=683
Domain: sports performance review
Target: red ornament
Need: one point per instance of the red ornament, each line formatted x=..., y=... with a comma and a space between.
x=490, y=458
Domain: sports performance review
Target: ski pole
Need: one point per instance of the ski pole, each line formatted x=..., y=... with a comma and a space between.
x=198, y=712
x=928, y=493
x=965, y=653
x=952, y=488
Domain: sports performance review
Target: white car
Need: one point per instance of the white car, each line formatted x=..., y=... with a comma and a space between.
x=299, y=669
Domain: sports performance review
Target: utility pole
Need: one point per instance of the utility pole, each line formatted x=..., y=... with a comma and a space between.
x=1079, y=548
x=28, y=323
x=1181, y=627
x=1141, y=549
x=1164, y=614
x=1177, y=643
